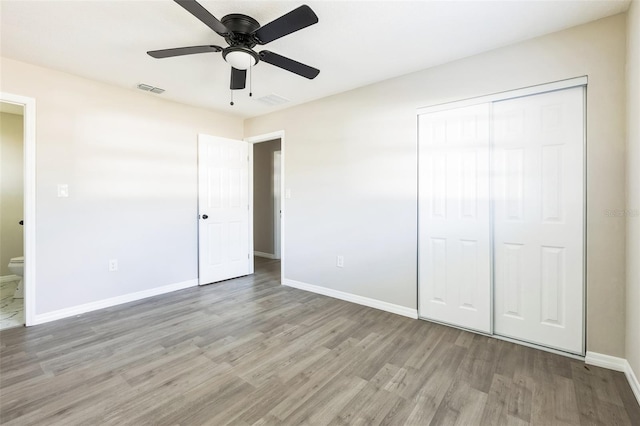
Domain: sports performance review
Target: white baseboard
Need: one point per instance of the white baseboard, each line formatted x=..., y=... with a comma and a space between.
x=113, y=301
x=633, y=381
x=263, y=254
x=617, y=364
x=360, y=300
x=605, y=361
x=9, y=278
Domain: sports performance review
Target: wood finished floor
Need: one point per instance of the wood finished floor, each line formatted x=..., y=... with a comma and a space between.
x=249, y=351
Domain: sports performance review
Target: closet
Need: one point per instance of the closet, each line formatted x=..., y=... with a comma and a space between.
x=501, y=215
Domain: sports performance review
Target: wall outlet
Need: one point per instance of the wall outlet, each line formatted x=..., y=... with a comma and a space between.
x=113, y=265
x=340, y=261
x=63, y=190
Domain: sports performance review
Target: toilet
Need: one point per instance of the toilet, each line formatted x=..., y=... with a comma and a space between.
x=16, y=266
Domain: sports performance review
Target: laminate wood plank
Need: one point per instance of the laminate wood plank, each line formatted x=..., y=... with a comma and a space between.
x=543, y=404
x=143, y=403
x=628, y=400
x=496, y=409
x=380, y=406
x=350, y=411
x=399, y=413
x=250, y=409
x=327, y=401
x=585, y=395
x=52, y=405
x=207, y=404
x=317, y=375
x=605, y=387
x=398, y=382
x=612, y=414
x=462, y=403
x=482, y=362
x=565, y=403
x=431, y=381
x=425, y=345
x=521, y=397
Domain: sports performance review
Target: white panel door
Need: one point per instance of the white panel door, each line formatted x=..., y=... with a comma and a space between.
x=223, y=208
x=454, y=263
x=538, y=160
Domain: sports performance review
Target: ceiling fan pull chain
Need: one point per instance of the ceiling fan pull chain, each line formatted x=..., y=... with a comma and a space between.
x=231, y=103
x=250, y=81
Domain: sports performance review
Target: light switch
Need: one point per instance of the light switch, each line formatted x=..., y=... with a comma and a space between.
x=63, y=190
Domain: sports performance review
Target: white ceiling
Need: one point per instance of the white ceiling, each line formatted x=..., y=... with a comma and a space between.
x=354, y=44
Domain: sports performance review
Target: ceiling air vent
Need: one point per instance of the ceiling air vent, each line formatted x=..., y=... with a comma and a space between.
x=148, y=88
x=273, y=100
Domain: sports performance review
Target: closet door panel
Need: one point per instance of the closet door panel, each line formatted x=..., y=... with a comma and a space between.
x=538, y=190
x=454, y=244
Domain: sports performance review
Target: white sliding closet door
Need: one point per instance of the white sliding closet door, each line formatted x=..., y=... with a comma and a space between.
x=538, y=190
x=454, y=224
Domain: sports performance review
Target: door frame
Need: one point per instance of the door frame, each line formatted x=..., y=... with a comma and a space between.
x=582, y=81
x=29, y=192
x=277, y=203
x=254, y=140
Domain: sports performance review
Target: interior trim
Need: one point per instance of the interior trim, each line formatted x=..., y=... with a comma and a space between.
x=509, y=94
x=353, y=298
x=112, y=301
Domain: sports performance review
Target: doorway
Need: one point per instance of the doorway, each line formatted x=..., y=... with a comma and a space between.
x=18, y=210
x=266, y=199
x=267, y=203
x=11, y=215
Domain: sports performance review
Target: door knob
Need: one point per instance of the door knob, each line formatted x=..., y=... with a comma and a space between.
x=204, y=216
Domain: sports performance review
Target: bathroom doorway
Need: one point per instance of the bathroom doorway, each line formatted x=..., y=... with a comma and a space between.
x=17, y=210
x=11, y=215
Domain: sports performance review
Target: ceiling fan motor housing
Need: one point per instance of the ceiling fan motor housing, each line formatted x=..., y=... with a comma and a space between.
x=241, y=28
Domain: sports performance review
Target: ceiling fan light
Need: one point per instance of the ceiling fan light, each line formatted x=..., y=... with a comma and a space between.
x=240, y=59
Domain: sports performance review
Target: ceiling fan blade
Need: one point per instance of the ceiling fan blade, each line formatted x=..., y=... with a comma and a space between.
x=197, y=10
x=289, y=64
x=179, y=51
x=238, y=79
x=293, y=21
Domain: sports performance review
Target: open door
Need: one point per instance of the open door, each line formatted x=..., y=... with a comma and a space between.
x=223, y=209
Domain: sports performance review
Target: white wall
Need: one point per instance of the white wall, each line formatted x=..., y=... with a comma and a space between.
x=11, y=189
x=633, y=187
x=351, y=167
x=129, y=159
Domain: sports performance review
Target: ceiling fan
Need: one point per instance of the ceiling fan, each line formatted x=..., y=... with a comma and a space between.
x=242, y=33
